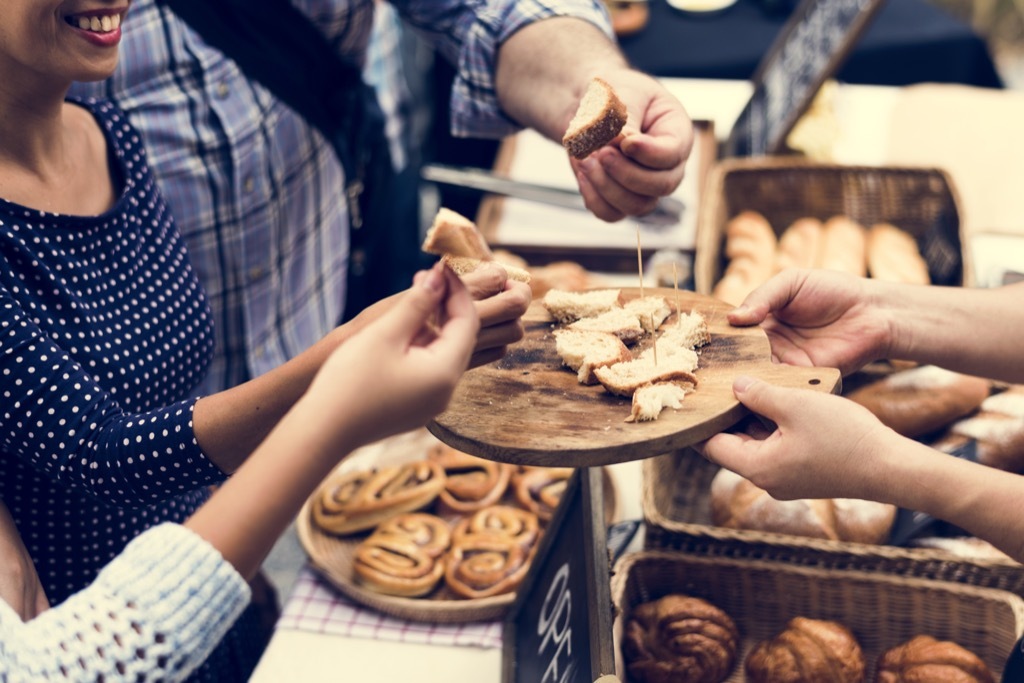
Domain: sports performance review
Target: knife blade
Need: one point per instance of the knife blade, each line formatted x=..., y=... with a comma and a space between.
x=669, y=210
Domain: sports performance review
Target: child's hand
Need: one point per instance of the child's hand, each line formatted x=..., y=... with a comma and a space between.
x=400, y=370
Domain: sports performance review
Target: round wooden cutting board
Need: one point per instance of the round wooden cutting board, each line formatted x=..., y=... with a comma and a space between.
x=529, y=409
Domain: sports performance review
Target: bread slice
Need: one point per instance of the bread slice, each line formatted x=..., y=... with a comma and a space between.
x=669, y=348
x=650, y=399
x=461, y=265
x=599, y=118
x=625, y=378
x=583, y=351
x=567, y=306
x=690, y=331
x=650, y=310
x=618, y=321
x=454, y=234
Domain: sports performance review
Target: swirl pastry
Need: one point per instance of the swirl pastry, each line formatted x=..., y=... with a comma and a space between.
x=519, y=526
x=395, y=564
x=481, y=565
x=539, y=489
x=471, y=483
x=679, y=638
x=429, y=532
x=355, y=501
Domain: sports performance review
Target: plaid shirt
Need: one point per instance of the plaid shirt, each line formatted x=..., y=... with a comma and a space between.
x=256, y=192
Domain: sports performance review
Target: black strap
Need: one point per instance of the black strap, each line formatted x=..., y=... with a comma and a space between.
x=277, y=45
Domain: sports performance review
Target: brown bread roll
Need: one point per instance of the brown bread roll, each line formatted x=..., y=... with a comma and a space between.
x=922, y=400
x=924, y=659
x=808, y=651
x=893, y=256
x=736, y=503
x=843, y=246
x=679, y=638
x=799, y=244
x=998, y=429
x=750, y=245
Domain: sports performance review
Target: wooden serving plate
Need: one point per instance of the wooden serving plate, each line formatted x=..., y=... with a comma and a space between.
x=528, y=409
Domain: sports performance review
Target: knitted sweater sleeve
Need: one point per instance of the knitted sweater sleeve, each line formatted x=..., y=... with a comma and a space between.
x=154, y=613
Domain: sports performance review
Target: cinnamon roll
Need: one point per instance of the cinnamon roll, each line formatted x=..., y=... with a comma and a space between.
x=520, y=526
x=395, y=564
x=471, y=483
x=485, y=564
x=348, y=502
x=539, y=489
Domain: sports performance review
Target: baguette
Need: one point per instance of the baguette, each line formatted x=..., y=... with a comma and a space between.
x=799, y=244
x=893, y=256
x=843, y=247
x=750, y=245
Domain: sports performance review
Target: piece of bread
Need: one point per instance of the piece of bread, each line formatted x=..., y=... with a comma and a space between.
x=649, y=400
x=618, y=321
x=455, y=235
x=998, y=429
x=799, y=244
x=461, y=265
x=565, y=306
x=625, y=378
x=651, y=311
x=808, y=650
x=923, y=659
x=922, y=400
x=585, y=350
x=679, y=638
x=750, y=245
x=688, y=333
x=598, y=119
x=893, y=256
x=843, y=247
x=736, y=503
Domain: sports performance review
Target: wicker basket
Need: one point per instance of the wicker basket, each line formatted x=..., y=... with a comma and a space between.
x=677, y=512
x=882, y=611
x=920, y=201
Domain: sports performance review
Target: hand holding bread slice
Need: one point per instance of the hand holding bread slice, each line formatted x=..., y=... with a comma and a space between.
x=598, y=120
x=462, y=247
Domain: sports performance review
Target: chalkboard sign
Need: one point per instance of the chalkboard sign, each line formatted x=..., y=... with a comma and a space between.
x=1013, y=672
x=559, y=629
x=810, y=48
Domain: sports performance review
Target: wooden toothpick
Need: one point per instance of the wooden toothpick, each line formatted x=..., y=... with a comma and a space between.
x=675, y=287
x=654, y=334
x=639, y=261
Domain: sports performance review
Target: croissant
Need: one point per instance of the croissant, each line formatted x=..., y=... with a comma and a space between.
x=808, y=650
x=679, y=638
x=924, y=659
x=359, y=500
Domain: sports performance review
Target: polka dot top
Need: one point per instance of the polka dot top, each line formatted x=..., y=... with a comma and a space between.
x=104, y=330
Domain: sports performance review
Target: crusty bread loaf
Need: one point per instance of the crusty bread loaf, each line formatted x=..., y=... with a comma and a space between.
x=625, y=378
x=622, y=323
x=843, y=246
x=651, y=311
x=736, y=503
x=461, y=265
x=927, y=660
x=998, y=429
x=679, y=638
x=565, y=306
x=893, y=256
x=922, y=400
x=799, y=244
x=750, y=245
x=455, y=235
x=650, y=399
x=585, y=350
x=808, y=650
x=598, y=119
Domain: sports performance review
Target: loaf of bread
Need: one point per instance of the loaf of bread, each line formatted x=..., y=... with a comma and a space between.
x=893, y=256
x=679, y=638
x=924, y=659
x=736, y=503
x=997, y=428
x=922, y=400
x=799, y=244
x=565, y=306
x=455, y=235
x=586, y=350
x=809, y=650
x=598, y=120
x=843, y=246
x=750, y=245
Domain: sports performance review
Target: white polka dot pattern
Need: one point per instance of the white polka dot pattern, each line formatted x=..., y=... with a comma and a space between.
x=104, y=331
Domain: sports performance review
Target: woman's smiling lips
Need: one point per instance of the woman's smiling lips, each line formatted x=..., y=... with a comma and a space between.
x=101, y=27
